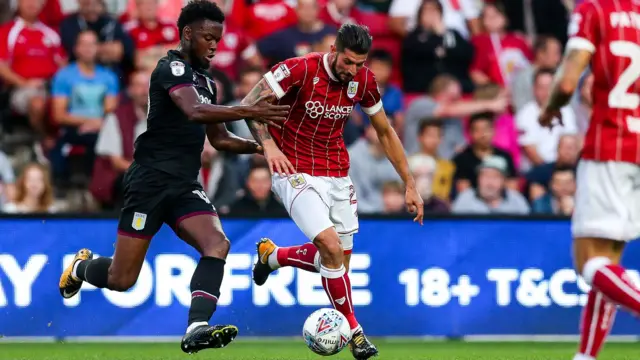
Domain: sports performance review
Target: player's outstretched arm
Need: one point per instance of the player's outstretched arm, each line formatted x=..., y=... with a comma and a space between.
x=394, y=150
x=188, y=100
x=278, y=162
x=566, y=81
x=221, y=139
x=258, y=130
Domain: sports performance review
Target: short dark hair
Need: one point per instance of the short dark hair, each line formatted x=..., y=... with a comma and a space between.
x=483, y=116
x=381, y=55
x=541, y=43
x=355, y=38
x=428, y=122
x=197, y=10
x=543, y=71
x=563, y=168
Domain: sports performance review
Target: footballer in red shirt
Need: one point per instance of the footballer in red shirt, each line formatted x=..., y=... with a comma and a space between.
x=310, y=163
x=606, y=35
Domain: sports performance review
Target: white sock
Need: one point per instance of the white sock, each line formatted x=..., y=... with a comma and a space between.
x=583, y=357
x=195, y=325
x=74, y=273
x=272, y=260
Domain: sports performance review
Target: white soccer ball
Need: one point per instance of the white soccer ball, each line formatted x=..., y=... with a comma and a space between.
x=326, y=332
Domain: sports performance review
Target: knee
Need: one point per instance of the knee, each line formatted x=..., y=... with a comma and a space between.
x=37, y=104
x=215, y=245
x=330, y=249
x=120, y=282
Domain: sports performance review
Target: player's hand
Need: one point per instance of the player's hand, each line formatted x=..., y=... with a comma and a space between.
x=276, y=159
x=415, y=204
x=547, y=116
x=268, y=113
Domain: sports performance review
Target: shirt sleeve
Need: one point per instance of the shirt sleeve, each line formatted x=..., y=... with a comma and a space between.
x=113, y=88
x=60, y=85
x=584, y=28
x=174, y=75
x=285, y=75
x=371, y=101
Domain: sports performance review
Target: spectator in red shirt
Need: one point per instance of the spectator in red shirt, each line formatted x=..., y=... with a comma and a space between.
x=338, y=12
x=499, y=54
x=235, y=49
x=30, y=54
x=151, y=35
x=265, y=17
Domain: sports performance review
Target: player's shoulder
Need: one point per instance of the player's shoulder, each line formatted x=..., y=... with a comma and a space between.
x=309, y=59
x=365, y=76
x=172, y=63
x=596, y=7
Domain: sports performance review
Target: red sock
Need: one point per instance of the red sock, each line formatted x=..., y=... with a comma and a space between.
x=611, y=281
x=338, y=287
x=597, y=319
x=302, y=257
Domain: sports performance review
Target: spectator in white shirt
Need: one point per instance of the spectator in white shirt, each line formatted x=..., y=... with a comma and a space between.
x=459, y=15
x=540, y=144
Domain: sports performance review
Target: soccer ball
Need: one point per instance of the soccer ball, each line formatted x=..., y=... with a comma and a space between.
x=326, y=332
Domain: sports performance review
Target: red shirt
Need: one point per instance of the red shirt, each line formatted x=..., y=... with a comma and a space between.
x=311, y=137
x=500, y=59
x=164, y=33
x=267, y=17
x=233, y=49
x=611, y=31
x=33, y=52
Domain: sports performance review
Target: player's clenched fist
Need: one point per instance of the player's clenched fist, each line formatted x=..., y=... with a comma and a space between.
x=415, y=204
x=277, y=160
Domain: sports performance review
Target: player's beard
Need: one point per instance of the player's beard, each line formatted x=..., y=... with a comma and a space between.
x=334, y=68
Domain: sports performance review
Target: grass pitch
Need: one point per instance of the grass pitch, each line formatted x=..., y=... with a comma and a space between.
x=296, y=350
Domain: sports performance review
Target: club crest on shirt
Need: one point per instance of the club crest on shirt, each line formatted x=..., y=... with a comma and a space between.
x=139, y=220
x=352, y=89
x=297, y=181
x=177, y=68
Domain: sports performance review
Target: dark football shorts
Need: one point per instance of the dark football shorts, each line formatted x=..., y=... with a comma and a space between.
x=153, y=197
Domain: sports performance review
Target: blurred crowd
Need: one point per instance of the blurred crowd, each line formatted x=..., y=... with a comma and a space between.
x=463, y=82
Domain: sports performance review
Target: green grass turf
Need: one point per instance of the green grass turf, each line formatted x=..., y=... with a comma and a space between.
x=296, y=350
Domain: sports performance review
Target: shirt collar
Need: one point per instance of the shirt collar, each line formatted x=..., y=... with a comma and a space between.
x=327, y=67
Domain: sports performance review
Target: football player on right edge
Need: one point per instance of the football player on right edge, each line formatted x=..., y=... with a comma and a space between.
x=605, y=34
x=310, y=163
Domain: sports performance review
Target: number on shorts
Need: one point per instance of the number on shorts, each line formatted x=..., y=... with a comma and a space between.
x=202, y=195
x=620, y=97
